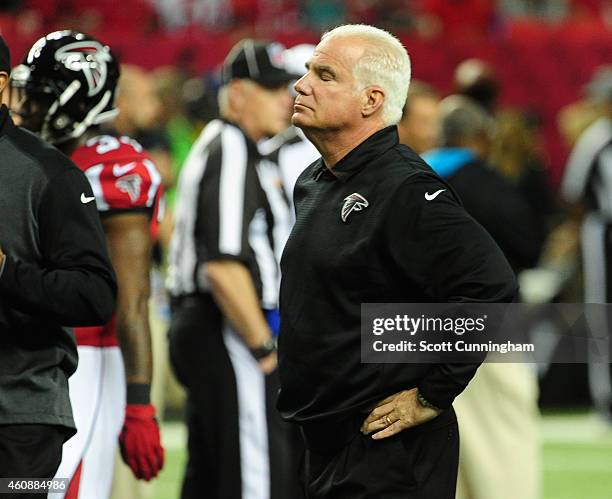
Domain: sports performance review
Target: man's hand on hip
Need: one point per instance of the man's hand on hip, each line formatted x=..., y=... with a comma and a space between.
x=396, y=413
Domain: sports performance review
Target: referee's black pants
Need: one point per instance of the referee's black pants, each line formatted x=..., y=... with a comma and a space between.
x=417, y=463
x=219, y=432
x=29, y=451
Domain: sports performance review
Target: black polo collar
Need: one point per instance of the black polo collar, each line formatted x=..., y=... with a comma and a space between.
x=361, y=156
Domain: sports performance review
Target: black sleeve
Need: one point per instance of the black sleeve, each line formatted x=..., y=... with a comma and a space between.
x=445, y=252
x=74, y=282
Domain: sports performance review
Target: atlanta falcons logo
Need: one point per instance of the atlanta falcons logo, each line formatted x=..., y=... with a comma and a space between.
x=354, y=202
x=89, y=57
x=130, y=184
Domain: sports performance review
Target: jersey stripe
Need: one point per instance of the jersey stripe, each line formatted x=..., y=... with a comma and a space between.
x=270, y=177
x=93, y=175
x=183, y=260
x=231, y=191
x=266, y=261
x=230, y=204
x=155, y=181
x=581, y=161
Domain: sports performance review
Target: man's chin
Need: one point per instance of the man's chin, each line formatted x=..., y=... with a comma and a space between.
x=298, y=119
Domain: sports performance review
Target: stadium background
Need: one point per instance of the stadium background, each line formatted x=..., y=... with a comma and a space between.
x=544, y=52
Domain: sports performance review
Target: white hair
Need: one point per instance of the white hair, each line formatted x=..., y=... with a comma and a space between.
x=385, y=63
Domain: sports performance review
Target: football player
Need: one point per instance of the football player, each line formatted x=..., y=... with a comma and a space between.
x=63, y=89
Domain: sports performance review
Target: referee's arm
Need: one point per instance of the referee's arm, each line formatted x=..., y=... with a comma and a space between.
x=234, y=293
x=227, y=203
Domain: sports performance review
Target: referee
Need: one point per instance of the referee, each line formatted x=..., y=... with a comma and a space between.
x=587, y=184
x=232, y=218
x=374, y=224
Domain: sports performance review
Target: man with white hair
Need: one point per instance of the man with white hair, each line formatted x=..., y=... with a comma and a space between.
x=374, y=224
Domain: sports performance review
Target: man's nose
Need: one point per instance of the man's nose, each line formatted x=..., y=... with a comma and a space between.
x=301, y=85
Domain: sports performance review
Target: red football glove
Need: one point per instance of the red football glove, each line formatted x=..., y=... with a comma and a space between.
x=140, y=441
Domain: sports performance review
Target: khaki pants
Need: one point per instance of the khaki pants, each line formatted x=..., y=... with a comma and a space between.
x=499, y=436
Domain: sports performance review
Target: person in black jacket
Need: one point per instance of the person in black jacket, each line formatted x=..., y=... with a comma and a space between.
x=55, y=273
x=373, y=224
x=465, y=142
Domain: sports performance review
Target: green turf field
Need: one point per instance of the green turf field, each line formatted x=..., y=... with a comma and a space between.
x=577, y=458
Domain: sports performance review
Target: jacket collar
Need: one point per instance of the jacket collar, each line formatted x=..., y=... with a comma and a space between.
x=362, y=155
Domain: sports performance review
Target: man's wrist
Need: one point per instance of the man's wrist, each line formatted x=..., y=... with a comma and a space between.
x=425, y=403
x=138, y=393
x=264, y=349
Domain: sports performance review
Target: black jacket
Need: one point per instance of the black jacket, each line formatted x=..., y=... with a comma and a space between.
x=400, y=248
x=497, y=205
x=56, y=273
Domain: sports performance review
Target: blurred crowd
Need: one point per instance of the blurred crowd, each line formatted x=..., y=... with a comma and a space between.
x=427, y=18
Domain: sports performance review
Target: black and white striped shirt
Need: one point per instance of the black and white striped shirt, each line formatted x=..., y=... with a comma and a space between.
x=230, y=206
x=588, y=175
x=292, y=152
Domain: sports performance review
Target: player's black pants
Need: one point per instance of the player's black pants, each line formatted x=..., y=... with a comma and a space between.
x=29, y=451
x=418, y=463
x=238, y=446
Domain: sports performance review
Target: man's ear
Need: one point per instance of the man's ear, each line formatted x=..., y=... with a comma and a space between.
x=236, y=94
x=373, y=99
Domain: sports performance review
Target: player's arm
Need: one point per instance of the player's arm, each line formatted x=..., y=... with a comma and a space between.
x=129, y=243
x=223, y=252
x=234, y=292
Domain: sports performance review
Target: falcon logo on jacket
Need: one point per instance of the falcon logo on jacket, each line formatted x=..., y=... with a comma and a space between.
x=354, y=202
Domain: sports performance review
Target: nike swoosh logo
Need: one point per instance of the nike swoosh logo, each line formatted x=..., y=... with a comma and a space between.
x=85, y=199
x=119, y=170
x=431, y=197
